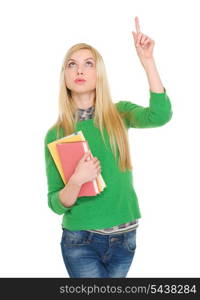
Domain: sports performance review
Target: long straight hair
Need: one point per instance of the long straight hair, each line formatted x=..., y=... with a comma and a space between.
x=106, y=114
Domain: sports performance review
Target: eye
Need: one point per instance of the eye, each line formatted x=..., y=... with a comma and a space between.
x=90, y=62
x=70, y=63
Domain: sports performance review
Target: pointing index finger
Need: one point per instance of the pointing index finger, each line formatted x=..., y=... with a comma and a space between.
x=137, y=24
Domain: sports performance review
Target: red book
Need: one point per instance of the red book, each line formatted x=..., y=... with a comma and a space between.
x=70, y=153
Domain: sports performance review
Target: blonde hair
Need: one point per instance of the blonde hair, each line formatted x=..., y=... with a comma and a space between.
x=105, y=112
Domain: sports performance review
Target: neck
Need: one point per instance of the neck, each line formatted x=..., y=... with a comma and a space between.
x=84, y=100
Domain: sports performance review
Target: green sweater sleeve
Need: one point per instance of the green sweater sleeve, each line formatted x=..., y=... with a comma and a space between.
x=54, y=180
x=157, y=114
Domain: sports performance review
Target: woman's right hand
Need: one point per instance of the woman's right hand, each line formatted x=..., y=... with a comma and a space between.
x=86, y=170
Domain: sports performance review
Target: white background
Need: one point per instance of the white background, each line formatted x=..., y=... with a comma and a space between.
x=35, y=36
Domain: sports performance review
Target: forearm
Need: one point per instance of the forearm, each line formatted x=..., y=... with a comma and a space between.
x=153, y=77
x=69, y=193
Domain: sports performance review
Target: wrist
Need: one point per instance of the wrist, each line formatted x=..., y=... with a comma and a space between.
x=74, y=180
x=148, y=63
x=62, y=198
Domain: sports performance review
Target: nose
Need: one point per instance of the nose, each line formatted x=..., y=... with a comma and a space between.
x=79, y=70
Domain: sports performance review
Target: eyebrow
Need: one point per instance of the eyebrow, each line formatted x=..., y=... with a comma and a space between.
x=84, y=59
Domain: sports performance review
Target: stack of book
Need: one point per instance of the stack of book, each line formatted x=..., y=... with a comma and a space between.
x=66, y=153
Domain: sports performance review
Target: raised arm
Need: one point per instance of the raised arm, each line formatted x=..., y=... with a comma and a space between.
x=159, y=110
x=144, y=48
x=158, y=113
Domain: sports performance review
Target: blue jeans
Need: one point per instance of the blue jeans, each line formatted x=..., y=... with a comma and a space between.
x=93, y=255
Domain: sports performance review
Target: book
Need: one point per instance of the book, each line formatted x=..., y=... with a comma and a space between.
x=70, y=154
x=74, y=137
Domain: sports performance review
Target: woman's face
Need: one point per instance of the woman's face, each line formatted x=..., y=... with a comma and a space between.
x=81, y=64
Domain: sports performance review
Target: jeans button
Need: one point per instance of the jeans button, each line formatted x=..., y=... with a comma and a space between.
x=113, y=239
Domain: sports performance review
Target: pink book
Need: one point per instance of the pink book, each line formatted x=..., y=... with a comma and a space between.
x=70, y=153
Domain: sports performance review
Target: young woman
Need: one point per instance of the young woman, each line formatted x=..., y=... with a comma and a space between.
x=99, y=232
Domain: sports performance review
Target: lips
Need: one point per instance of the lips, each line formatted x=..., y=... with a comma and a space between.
x=79, y=80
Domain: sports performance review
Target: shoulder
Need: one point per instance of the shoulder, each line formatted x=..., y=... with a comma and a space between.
x=124, y=106
x=119, y=105
x=52, y=134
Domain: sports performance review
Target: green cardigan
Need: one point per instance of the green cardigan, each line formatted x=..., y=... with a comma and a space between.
x=118, y=202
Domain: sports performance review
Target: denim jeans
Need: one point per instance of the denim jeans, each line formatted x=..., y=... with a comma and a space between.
x=93, y=255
